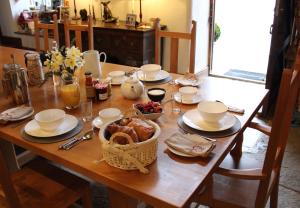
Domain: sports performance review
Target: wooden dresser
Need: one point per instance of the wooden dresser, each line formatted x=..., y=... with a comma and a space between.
x=123, y=45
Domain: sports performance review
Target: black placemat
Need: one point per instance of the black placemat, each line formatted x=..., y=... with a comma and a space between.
x=163, y=81
x=48, y=140
x=236, y=127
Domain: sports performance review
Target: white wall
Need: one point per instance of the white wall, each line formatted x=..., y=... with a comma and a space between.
x=176, y=14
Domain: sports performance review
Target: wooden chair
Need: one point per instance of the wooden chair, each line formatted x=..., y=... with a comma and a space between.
x=78, y=29
x=251, y=187
x=40, y=184
x=46, y=27
x=175, y=36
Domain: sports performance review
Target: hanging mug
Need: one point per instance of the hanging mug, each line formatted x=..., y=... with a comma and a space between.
x=92, y=62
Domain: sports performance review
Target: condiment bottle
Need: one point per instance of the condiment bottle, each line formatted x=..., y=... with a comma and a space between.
x=101, y=91
x=90, y=90
x=107, y=81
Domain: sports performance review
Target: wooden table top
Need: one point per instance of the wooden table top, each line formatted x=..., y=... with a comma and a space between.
x=172, y=179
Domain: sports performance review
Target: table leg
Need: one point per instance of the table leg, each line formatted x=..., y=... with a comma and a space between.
x=8, y=151
x=236, y=152
x=120, y=200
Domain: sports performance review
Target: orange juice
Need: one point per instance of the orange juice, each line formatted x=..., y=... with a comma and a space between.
x=71, y=95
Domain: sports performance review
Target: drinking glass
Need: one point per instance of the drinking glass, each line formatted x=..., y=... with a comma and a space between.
x=70, y=92
x=87, y=110
x=175, y=104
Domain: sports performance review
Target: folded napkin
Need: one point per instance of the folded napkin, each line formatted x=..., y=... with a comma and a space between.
x=190, y=144
x=16, y=113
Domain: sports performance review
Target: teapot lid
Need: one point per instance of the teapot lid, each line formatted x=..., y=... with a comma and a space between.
x=9, y=67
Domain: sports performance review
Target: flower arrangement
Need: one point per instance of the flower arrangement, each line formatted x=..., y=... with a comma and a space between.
x=64, y=62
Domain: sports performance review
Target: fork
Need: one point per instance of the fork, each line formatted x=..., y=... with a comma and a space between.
x=74, y=141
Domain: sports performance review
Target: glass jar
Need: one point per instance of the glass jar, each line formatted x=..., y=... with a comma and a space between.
x=90, y=90
x=70, y=92
x=34, y=68
x=101, y=91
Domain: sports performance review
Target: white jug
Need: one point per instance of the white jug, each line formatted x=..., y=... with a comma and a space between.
x=92, y=62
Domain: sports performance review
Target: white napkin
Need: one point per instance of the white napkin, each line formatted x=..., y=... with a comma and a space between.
x=190, y=144
x=16, y=113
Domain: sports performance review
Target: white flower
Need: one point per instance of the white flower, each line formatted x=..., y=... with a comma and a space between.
x=58, y=63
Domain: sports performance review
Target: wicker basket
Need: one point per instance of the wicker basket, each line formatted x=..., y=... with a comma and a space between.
x=130, y=156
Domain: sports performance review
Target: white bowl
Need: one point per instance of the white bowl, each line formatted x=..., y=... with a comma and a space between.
x=150, y=70
x=188, y=93
x=50, y=119
x=117, y=77
x=148, y=116
x=212, y=111
x=109, y=114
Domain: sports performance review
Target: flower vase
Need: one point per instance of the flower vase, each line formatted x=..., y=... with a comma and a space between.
x=70, y=92
x=79, y=73
x=56, y=80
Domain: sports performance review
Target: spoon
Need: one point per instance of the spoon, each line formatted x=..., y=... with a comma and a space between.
x=70, y=144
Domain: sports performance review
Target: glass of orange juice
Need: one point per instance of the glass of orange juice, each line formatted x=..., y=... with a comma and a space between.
x=70, y=92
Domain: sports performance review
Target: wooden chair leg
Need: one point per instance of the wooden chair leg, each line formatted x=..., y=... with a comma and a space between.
x=236, y=152
x=274, y=194
x=87, y=199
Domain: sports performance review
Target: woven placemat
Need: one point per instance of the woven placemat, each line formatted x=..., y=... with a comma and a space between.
x=234, y=129
x=48, y=140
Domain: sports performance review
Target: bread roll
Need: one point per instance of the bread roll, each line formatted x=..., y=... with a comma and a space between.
x=113, y=128
x=143, y=130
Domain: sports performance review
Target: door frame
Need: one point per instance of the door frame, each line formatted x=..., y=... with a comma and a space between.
x=211, y=21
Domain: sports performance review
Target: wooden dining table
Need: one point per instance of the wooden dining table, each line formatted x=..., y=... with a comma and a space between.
x=172, y=180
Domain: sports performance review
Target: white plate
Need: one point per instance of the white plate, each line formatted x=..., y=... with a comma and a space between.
x=187, y=82
x=98, y=123
x=17, y=119
x=196, y=99
x=193, y=119
x=176, y=152
x=33, y=129
x=160, y=76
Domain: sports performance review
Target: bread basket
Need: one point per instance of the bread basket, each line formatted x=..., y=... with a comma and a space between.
x=130, y=156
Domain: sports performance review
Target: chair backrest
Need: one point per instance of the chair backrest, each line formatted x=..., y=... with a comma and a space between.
x=175, y=36
x=78, y=29
x=46, y=27
x=285, y=106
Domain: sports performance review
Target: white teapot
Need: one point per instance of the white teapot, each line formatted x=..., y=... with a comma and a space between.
x=132, y=88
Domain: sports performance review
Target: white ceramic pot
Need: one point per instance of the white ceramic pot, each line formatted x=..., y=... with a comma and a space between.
x=132, y=88
x=92, y=62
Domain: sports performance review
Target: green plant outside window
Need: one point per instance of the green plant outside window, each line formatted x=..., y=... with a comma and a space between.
x=217, y=32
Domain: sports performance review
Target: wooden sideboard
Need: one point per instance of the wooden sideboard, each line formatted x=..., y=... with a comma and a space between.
x=123, y=45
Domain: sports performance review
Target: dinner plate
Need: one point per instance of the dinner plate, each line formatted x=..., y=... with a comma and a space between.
x=17, y=119
x=196, y=99
x=193, y=119
x=33, y=129
x=162, y=74
x=176, y=152
x=188, y=82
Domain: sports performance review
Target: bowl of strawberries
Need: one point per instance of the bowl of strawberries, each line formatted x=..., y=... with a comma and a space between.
x=149, y=110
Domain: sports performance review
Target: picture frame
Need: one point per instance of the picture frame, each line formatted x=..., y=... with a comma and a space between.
x=130, y=20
